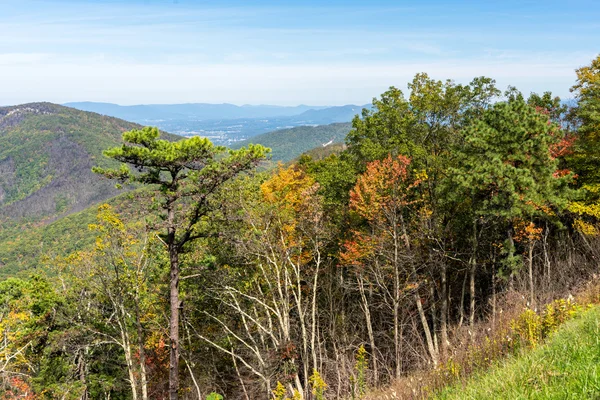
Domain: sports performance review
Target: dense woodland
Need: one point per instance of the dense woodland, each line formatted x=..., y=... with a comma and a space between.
x=323, y=278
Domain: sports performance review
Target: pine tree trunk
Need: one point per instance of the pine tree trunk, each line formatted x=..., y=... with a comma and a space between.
x=174, y=324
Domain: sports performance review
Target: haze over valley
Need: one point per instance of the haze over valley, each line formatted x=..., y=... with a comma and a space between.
x=223, y=124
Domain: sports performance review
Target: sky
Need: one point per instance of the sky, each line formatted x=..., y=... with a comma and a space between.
x=284, y=52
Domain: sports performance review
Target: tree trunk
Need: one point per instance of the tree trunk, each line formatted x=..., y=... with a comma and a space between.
x=174, y=323
x=530, y=265
x=397, y=340
x=461, y=308
x=367, y=311
x=430, y=346
x=493, y=298
x=547, y=257
x=472, y=271
x=130, y=370
x=511, y=254
x=434, y=319
x=444, y=311
x=142, y=350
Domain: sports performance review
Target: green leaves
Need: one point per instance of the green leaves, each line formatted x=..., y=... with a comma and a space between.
x=506, y=164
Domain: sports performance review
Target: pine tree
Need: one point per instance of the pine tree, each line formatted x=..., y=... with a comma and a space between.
x=184, y=176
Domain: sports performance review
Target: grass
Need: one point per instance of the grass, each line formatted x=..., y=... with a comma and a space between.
x=566, y=366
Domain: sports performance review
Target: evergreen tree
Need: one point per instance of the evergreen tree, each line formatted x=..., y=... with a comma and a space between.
x=184, y=176
x=507, y=170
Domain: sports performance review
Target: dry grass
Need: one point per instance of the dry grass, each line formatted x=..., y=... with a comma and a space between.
x=476, y=349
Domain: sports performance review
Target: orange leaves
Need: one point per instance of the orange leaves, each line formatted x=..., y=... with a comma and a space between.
x=288, y=188
x=563, y=147
x=381, y=196
x=383, y=185
x=526, y=232
x=19, y=389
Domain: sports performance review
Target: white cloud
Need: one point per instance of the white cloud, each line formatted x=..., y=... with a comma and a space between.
x=22, y=58
x=99, y=79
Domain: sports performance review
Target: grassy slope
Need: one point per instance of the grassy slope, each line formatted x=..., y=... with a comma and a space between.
x=567, y=366
x=288, y=144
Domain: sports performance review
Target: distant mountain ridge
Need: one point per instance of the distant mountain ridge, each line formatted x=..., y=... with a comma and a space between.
x=224, y=124
x=198, y=111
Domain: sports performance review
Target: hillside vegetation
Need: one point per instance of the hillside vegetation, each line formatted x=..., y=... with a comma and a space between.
x=287, y=144
x=447, y=233
x=567, y=366
x=29, y=246
x=46, y=155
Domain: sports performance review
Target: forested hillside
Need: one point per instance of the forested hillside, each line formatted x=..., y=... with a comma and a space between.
x=287, y=144
x=46, y=155
x=431, y=245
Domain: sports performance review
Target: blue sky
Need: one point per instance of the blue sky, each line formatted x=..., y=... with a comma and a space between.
x=283, y=52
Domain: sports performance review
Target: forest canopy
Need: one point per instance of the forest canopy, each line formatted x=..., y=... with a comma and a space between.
x=321, y=278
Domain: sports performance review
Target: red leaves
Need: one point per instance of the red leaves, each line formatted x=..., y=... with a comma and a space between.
x=563, y=147
x=383, y=185
x=380, y=195
x=19, y=389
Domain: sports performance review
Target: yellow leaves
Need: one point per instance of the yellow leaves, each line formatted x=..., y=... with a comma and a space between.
x=287, y=188
x=318, y=385
x=279, y=392
x=583, y=209
x=588, y=78
x=588, y=212
x=585, y=228
x=293, y=195
x=14, y=330
x=107, y=219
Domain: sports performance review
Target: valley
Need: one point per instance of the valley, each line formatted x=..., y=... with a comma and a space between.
x=224, y=124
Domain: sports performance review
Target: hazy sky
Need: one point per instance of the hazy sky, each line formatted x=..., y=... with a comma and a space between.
x=283, y=52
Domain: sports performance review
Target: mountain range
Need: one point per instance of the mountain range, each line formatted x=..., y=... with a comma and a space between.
x=224, y=124
x=48, y=194
x=197, y=111
x=46, y=155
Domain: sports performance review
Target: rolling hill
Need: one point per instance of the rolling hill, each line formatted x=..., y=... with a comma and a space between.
x=288, y=144
x=31, y=244
x=46, y=155
x=48, y=192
